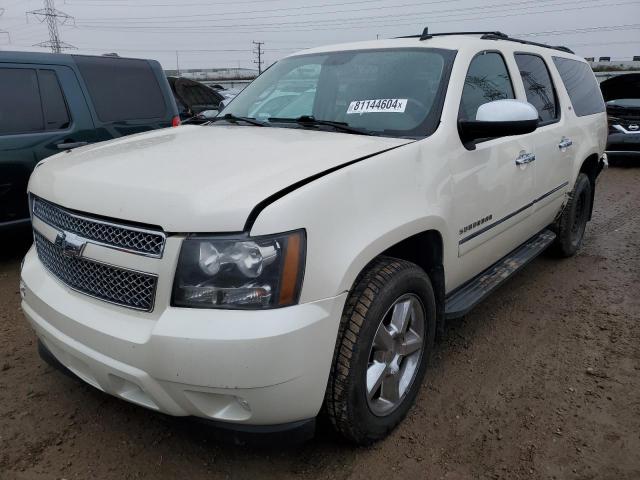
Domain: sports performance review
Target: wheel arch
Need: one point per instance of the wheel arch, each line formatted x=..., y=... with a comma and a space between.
x=591, y=167
x=425, y=249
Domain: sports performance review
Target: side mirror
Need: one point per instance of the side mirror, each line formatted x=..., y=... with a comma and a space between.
x=500, y=118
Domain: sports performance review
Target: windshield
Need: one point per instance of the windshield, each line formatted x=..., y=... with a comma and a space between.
x=392, y=92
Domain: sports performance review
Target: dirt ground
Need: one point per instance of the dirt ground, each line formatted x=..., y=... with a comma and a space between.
x=540, y=381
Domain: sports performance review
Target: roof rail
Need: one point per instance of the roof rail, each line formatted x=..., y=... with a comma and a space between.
x=425, y=35
x=487, y=36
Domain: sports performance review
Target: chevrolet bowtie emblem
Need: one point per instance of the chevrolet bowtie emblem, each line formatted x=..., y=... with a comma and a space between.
x=71, y=244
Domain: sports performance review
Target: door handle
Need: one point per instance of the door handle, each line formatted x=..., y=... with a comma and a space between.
x=565, y=143
x=70, y=145
x=525, y=158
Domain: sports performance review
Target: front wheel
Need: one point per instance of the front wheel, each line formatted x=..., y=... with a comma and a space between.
x=571, y=225
x=386, y=334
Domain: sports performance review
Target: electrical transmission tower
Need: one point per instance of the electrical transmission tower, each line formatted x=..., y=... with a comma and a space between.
x=258, y=53
x=53, y=17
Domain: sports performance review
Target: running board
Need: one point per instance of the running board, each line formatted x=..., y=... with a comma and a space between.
x=467, y=296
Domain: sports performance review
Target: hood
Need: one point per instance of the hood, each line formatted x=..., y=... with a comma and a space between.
x=621, y=86
x=192, y=178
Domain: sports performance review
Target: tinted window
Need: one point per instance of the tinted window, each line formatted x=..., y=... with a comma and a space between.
x=55, y=110
x=581, y=85
x=487, y=80
x=122, y=89
x=20, y=109
x=538, y=85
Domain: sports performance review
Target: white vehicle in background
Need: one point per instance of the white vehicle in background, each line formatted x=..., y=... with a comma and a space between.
x=261, y=268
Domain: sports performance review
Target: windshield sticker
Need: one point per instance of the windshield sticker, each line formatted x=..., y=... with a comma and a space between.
x=378, y=105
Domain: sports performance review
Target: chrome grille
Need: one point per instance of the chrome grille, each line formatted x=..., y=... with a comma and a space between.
x=112, y=284
x=124, y=237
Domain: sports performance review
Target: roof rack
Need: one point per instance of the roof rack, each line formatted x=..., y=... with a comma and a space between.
x=487, y=36
x=502, y=36
x=425, y=35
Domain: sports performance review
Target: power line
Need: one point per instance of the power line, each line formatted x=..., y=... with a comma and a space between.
x=145, y=5
x=612, y=28
x=220, y=19
x=305, y=13
x=367, y=21
x=258, y=52
x=53, y=17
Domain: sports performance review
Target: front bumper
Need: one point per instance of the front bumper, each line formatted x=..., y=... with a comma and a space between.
x=623, y=143
x=246, y=367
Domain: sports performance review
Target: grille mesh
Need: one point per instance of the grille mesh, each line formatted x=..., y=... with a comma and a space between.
x=112, y=284
x=148, y=243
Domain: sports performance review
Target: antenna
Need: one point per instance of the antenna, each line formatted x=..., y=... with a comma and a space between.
x=53, y=17
x=258, y=52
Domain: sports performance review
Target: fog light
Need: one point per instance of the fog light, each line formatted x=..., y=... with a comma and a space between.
x=23, y=289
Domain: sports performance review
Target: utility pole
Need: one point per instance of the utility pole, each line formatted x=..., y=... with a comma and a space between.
x=53, y=17
x=4, y=32
x=258, y=52
x=177, y=64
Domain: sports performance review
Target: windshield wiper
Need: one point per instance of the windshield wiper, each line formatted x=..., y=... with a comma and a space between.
x=310, y=121
x=229, y=117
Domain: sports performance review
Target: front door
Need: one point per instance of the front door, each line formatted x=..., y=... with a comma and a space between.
x=493, y=183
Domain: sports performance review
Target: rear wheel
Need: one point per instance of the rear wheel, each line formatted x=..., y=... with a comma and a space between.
x=571, y=225
x=386, y=335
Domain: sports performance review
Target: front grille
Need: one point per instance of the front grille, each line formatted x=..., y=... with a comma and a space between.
x=112, y=284
x=124, y=237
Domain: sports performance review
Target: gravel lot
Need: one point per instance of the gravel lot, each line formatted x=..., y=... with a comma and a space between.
x=540, y=381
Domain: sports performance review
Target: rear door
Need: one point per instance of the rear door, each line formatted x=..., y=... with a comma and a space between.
x=40, y=107
x=127, y=95
x=552, y=145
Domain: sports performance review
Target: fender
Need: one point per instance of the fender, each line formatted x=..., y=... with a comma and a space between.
x=253, y=215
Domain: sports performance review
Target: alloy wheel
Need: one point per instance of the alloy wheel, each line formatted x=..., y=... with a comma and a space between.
x=395, y=355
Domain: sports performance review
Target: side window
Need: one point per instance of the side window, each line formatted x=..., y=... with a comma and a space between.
x=122, y=89
x=538, y=85
x=20, y=109
x=56, y=115
x=581, y=85
x=487, y=80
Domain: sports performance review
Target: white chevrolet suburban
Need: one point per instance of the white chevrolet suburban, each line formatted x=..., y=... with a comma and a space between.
x=300, y=252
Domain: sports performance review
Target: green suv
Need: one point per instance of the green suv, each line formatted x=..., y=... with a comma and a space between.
x=51, y=103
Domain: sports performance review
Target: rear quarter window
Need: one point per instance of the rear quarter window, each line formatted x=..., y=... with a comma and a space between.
x=56, y=114
x=581, y=85
x=122, y=89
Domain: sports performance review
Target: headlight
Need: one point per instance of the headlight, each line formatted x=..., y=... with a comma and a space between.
x=240, y=272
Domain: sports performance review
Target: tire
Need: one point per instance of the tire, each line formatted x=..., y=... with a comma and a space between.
x=570, y=227
x=387, y=286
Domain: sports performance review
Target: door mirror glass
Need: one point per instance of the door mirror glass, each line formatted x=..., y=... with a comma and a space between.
x=500, y=118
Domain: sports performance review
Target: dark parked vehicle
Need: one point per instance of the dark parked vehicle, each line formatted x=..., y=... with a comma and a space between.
x=52, y=102
x=193, y=98
x=622, y=95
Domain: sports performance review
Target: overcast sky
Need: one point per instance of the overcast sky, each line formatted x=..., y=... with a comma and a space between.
x=220, y=33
